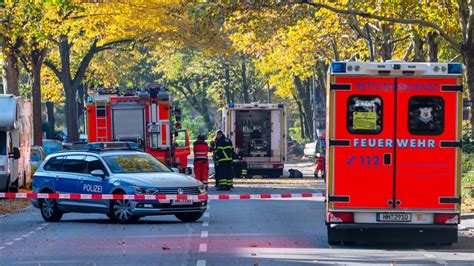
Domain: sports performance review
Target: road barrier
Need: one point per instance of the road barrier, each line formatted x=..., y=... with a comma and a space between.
x=158, y=197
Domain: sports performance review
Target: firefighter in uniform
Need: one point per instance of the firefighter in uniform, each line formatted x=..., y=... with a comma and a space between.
x=201, y=164
x=239, y=165
x=223, y=155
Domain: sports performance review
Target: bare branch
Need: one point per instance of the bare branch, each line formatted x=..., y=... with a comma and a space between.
x=408, y=52
x=452, y=41
x=53, y=68
x=111, y=45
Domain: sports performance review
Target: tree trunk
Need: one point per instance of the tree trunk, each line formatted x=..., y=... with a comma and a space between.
x=245, y=85
x=12, y=73
x=205, y=115
x=387, y=44
x=433, y=46
x=468, y=55
x=228, y=94
x=304, y=95
x=70, y=107
x=301, y=116
x=37, y=113
x=418, y=49
x=51, y=120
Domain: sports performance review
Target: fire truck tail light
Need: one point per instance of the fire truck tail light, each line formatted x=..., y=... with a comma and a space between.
x=454, y=68
x=341, y=217
x=446, y=218
x=338, y=67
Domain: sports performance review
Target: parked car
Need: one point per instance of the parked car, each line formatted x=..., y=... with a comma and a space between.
x=51, y=146
x=115, y=170
x=37, y=156
x=310, y=149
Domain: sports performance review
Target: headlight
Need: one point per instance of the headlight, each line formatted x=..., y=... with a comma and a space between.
x=202, y=189
x=139, y=190
x=142, y=190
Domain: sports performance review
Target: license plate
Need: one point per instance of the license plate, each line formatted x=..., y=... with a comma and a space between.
x=394, y=217
x=181, y=202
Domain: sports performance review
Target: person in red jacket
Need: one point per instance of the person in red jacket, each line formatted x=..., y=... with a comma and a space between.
x=201, y=163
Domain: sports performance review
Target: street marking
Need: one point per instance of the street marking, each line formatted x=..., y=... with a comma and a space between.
x=25, y=236
x=45, y=224
x=203, y=247
x=9, y=244
x=2, y=248
x=431, y=256
x=204, y=234
x=206, y=215
x=205, y=223
x=201, y=263
x=39, y=228
x=18, y=239
x=31, y=232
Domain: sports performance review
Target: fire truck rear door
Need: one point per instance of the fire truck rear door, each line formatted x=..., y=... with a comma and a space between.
x=128, y=121
x=360, y=142
x=427, y=154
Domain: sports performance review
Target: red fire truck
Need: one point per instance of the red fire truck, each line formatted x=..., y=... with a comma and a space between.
x=393, y=158
x=144, y=118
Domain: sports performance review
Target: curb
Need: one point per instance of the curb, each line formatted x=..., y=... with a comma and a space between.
x=467, y=216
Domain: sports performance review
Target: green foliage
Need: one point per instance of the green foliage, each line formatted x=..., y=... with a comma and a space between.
x=467, y=143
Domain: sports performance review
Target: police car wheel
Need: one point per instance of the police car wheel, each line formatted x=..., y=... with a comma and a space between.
x=189, y=217
x=49, y=210
x=121, y=211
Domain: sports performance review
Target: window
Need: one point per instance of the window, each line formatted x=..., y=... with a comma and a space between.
x=135, y=163
x=51, y=146
x=364, y=114
x=54, y=164
x=93, y=163
x=426, y=115
x=74, y=164
x=3, y=143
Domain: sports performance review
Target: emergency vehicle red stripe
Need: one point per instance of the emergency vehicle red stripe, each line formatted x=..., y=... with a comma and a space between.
x=9, y=195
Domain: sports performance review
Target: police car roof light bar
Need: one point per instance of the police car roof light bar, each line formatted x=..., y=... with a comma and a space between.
x=119, y=145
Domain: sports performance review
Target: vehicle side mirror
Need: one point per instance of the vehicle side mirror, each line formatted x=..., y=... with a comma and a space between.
x=15, y=154
x=98, y=173
x=188, y=171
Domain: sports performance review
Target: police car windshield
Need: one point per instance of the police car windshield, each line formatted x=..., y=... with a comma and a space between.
x=134, y=163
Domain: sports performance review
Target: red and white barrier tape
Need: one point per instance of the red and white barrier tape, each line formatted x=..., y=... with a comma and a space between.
x=157, y=197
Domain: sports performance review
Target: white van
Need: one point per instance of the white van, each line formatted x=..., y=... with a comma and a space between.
x=9, y=143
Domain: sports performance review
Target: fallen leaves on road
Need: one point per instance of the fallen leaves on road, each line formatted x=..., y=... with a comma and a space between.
x=165, y=247
x=13, y=205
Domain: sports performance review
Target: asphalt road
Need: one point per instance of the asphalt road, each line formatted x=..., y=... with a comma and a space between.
x=236, y=232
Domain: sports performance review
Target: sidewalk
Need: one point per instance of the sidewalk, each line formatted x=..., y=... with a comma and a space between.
x=467, y=224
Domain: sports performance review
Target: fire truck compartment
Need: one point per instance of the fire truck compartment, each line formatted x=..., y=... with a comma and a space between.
x=253, y=132
x=128, y=122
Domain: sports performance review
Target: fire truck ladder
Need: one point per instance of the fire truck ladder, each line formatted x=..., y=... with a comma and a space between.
x=102, y=129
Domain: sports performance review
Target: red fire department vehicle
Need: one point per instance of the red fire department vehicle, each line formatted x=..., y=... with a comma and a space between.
x=144, y=118
x=393, y=159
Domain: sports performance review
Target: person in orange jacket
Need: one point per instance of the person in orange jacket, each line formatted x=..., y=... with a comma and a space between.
x=201, y=163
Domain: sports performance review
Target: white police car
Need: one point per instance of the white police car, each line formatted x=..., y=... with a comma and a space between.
x=113, y=168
